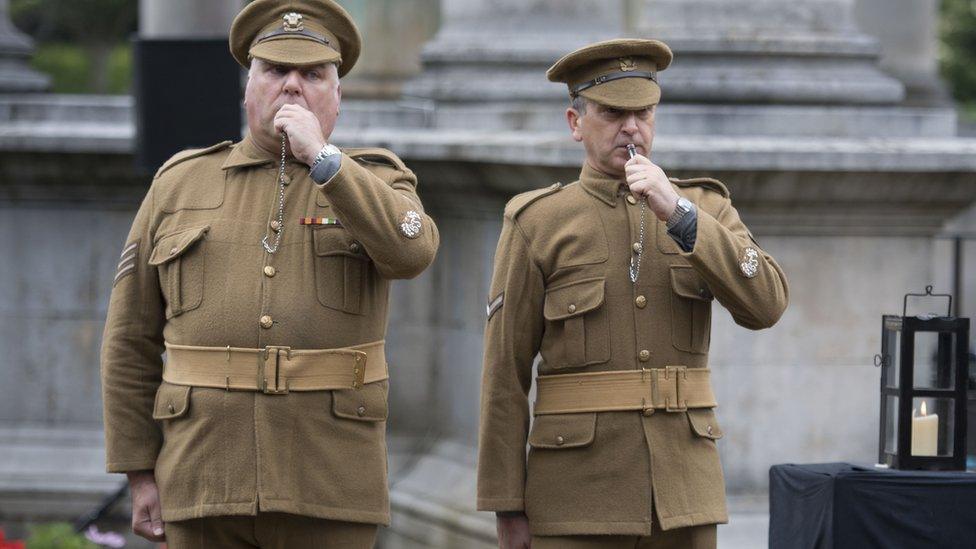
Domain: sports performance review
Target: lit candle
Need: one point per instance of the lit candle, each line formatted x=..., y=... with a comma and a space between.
x=925, y=433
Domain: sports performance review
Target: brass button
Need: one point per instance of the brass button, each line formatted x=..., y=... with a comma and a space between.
x=571, y=308
x=266, y=321
x=637, y=247
x=361, y=411
x=354, y=247
x=702, y=292
x=560, y=440
x=631, y=200
x=648, y=412
x=709, y=429
x=174, y=250
x=171, y=409
x=286, y=179
x=644, y=355
x=269, y=271
x=275, y=225
x=641, y=302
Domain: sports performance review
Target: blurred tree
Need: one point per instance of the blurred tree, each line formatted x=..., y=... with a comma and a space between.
x=958, y=51
x=97, y=26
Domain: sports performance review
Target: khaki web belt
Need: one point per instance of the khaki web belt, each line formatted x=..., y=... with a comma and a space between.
x=673, y=388
x=275, y=369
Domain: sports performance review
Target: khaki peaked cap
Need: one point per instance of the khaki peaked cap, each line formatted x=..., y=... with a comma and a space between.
x=296, y=32
x=618, y=73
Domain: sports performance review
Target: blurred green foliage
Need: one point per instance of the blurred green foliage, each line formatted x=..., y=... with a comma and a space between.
x=69, y=66
x=957, y=29
x=58, y=535
x=82, y=44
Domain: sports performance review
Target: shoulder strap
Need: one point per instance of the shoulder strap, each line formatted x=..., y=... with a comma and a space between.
x=707, y=182
x=517, y=204
x=183, y=156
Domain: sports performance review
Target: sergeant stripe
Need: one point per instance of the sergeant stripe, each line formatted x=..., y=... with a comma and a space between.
x=495, y=305
x=122, y=272
x=127, y=264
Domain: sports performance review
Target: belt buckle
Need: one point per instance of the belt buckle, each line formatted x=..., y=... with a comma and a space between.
x=359, y=370
x=673, y=401
x=278, y=385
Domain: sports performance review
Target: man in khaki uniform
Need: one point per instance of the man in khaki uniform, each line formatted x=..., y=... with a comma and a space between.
x=611, y=278
x=263, y=269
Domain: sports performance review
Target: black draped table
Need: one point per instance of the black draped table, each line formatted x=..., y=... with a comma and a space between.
x=840, y=506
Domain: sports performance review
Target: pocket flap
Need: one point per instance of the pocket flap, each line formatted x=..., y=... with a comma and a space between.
x=560, y=431
x=172, y=401
x=173, y=245
x=704, y=424
x=336, y=241
x=366, y=404
x=686, y=282
x=574, y=299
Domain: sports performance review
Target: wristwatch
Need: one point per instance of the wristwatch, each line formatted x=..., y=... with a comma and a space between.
x=684, y=206
x=327, y=151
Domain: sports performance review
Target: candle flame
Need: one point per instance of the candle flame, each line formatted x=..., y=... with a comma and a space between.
x=924, y=413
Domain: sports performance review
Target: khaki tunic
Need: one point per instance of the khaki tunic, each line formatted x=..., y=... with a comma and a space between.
x=561, y=276
x=194, y=272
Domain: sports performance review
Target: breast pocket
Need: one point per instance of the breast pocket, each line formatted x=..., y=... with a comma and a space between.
x=577, y=326
x=342, y=270
x=179, y=257
x=691, y=310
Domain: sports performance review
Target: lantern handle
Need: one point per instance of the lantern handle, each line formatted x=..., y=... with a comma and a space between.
x=928, y=293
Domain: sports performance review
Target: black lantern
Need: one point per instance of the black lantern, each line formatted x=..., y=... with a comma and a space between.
x=924, y=373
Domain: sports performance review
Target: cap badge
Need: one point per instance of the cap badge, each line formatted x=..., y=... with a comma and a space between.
x=627, y=64
x=293, y=22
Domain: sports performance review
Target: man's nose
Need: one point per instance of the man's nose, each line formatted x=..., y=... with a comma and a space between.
x=293, y=82
x=630, y=124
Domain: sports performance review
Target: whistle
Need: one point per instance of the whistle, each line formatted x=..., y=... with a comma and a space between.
x=632, y=150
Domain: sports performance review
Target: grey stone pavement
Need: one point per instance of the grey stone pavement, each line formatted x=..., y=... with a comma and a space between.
x=748, y=526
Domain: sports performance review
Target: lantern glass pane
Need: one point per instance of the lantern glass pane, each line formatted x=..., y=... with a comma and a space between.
x=935, y=360
x=891, y=349
x=932, y=426
x=891, y=425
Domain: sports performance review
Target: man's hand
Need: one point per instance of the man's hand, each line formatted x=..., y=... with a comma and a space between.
x=146, y=512
x=304, y=132
x=513, y=531
x=646, y=179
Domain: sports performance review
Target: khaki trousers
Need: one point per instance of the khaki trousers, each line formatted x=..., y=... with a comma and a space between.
x=693, y=537
x=269, y=531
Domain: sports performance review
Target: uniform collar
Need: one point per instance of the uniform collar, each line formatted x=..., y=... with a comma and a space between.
x=246, y=153
x=600, y=185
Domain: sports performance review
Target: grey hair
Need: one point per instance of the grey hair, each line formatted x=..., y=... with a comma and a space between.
x=580, y=103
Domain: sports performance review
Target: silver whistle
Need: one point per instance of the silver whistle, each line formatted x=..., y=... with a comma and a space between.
x=632, y=150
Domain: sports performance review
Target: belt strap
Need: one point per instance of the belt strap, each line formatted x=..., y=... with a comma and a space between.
x=672, y=388
x=275, y=369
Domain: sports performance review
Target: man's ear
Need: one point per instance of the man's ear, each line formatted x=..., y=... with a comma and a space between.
x=575, y=121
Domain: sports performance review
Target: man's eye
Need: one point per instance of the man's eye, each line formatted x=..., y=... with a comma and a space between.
x=312, y=75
